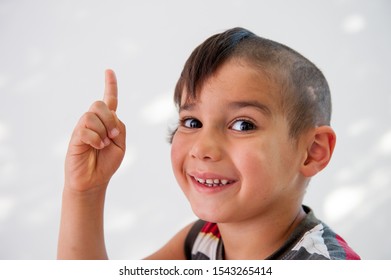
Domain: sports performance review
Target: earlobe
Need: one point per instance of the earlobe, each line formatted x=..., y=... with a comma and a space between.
x=319, y=150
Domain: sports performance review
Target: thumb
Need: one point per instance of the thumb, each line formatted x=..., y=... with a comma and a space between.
x=110, y=96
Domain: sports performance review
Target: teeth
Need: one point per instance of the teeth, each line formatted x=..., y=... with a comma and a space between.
x=213, y=182
x=209, y=181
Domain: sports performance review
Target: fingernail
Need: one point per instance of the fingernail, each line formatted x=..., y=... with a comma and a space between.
x=114, y=132
x=106, y=141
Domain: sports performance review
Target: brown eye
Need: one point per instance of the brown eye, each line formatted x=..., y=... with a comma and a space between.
x=192, y=123
x=243, y=125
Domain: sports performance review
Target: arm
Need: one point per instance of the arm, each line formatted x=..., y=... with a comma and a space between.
x=81, y=229
x=95, y=152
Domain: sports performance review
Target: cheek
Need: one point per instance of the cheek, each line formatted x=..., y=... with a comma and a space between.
x=253, y=166
x=258, y=163
x=174, y=154
x=177, y=156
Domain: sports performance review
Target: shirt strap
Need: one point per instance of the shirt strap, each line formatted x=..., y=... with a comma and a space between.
x=191, y=237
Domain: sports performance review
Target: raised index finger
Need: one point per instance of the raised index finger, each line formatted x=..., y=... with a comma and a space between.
x=111, y=90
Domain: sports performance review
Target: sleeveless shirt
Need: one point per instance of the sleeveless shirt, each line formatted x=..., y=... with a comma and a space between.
x=312, y=239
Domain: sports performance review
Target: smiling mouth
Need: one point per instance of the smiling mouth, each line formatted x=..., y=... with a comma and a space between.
x=214, y=182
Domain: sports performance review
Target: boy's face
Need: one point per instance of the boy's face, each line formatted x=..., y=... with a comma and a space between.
x=232, y=155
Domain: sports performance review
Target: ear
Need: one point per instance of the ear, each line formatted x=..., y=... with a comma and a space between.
x=319, y=150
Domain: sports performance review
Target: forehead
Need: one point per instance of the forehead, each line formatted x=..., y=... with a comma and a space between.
x=236, y=81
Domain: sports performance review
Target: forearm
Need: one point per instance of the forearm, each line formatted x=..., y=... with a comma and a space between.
x=81, y=229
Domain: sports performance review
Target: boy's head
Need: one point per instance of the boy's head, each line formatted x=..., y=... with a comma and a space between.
x=304, y=92
x=242, y=100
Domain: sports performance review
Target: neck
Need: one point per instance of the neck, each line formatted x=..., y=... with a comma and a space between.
x=245, y=241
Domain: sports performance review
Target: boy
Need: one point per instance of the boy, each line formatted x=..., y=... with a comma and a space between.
x=254, y=128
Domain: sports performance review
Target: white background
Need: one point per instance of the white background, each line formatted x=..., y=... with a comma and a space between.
x=52, y=60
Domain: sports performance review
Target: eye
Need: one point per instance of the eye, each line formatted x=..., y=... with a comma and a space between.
x=191, y=123
x=243, y=125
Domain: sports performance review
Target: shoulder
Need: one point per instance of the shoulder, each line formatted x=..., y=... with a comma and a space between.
x=337, y=247
x=318, y=241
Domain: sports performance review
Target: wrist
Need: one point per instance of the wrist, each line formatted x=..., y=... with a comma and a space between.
x=92, y=198
x=85, y=190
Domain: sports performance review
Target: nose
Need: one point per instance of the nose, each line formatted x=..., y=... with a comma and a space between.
x=207, y=146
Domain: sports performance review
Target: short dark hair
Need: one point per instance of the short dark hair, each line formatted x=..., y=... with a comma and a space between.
x=305, y=94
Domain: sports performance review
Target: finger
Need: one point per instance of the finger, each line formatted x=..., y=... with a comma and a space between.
x=92, y=122
x=120, y=141
x=111, y=90
x=91, y=138
x=101, y=110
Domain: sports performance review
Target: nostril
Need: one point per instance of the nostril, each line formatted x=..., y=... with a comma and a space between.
x=206, y=155
x=206, y=146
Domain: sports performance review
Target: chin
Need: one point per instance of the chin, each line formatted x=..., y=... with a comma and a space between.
x=209, y=216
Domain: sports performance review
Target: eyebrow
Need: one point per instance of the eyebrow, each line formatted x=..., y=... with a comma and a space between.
x=235, y=105
x=250, y=103
x=188, y=106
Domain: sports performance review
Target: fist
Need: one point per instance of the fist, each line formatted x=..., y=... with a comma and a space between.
x=97, y=145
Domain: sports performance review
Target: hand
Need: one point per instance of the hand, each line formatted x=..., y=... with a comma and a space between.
x=97, y=146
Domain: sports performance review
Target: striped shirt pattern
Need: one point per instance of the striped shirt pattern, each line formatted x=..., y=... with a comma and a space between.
x=312, y=239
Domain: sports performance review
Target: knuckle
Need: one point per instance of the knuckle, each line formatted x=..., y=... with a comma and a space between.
x=89, y=118
x=91, y=122
x=83, y=134
x=97, y=106
x=88, y=137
